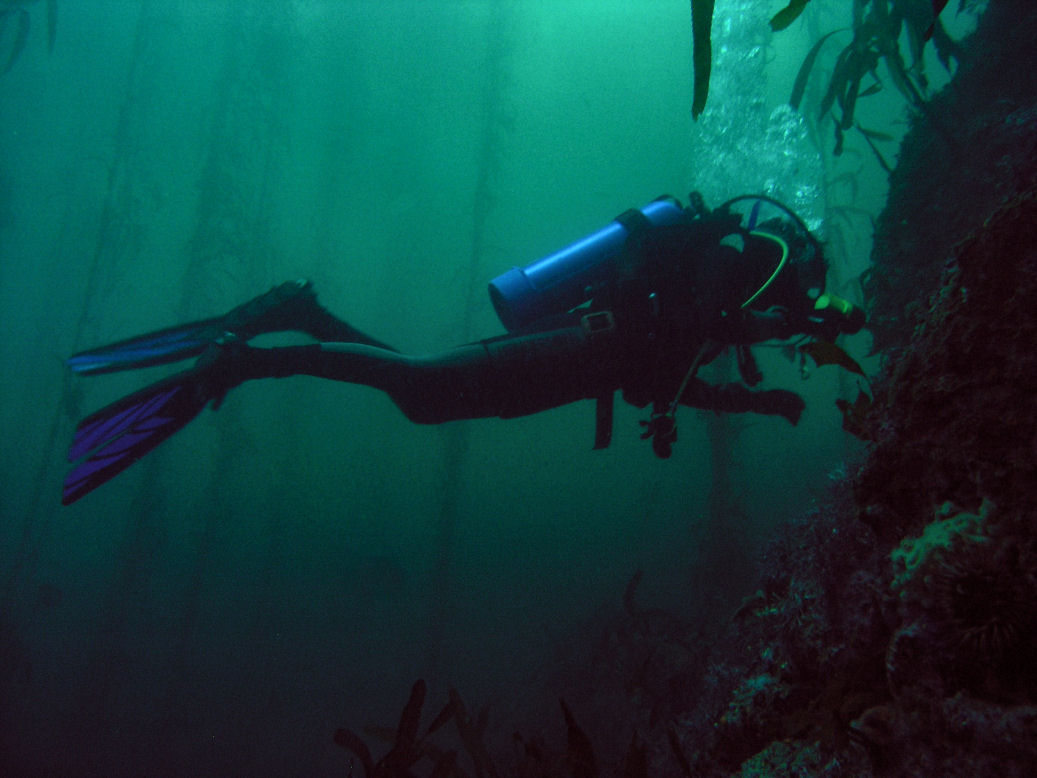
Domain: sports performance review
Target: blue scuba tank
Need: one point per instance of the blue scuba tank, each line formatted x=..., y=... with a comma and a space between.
x=565, y=279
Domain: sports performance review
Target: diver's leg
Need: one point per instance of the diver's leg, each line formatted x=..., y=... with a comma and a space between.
x=735, y=398
x=505, y=377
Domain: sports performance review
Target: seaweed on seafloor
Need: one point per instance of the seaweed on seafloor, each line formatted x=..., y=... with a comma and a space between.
x=580, y=753
x=407, y=749
x=534, y=759
x=472, y=735
x=636, y=673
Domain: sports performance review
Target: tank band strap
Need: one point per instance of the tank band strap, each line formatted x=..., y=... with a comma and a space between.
x=635, y=223
x=597, y=326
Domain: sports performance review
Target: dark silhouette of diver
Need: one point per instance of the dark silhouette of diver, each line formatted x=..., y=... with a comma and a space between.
x=638, y=306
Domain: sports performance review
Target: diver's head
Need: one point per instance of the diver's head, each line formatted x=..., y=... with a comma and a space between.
x=792, y=272
x=791, y=268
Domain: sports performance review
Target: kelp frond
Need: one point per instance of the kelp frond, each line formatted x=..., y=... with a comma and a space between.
x=788, y=14
x=877, y=27
x=800, y=84
x=702, y=51
x=13, y=12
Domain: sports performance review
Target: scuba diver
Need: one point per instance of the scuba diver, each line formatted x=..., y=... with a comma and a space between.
x=639, y=307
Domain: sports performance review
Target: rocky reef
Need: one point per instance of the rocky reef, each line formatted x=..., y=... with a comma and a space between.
x=895, y=627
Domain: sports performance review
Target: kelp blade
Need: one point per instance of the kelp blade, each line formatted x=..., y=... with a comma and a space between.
x=702, y=51
x=20, y=37
x=800, y=84
x=788, y=14
x=52, y=23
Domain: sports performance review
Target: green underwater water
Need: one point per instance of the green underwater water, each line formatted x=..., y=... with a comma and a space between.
x=293, y=562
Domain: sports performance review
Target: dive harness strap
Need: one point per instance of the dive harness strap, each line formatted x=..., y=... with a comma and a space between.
x=597, y=325
x=634, y=222
x=603, y=414
x=602, y=323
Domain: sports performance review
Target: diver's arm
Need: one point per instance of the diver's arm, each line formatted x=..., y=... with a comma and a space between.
x=746, y=327
x=736, y=398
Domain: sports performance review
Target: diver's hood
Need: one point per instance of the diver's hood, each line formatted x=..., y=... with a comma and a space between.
x=758, y=213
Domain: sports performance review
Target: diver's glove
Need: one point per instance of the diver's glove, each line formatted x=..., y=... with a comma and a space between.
x=833, y=316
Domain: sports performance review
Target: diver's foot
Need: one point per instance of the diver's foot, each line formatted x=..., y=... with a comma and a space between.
x=290, y=306
x=285, y=307
x=293, y=306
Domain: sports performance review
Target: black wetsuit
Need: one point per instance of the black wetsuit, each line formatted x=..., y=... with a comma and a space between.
x=659, y=305
x=677, y=299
